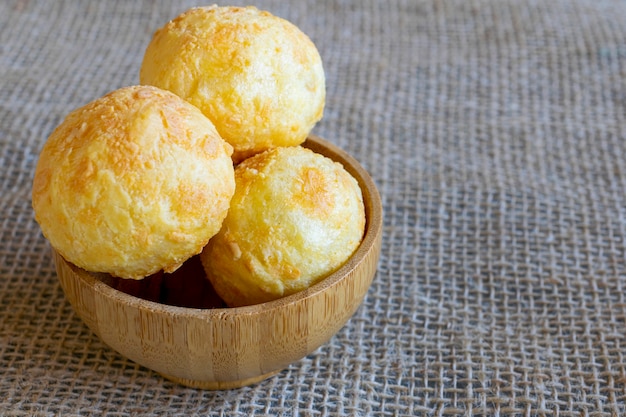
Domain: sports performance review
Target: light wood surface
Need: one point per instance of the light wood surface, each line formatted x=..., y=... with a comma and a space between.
x=222, y=348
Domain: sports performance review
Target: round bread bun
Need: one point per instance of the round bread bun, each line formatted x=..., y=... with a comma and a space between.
x=132, y=183
x=296, y=217
x=255, y=75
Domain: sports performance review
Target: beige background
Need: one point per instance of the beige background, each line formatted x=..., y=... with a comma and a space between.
x=496, y=132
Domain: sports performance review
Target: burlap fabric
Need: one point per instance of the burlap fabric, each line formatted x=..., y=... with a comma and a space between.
x=496, y=132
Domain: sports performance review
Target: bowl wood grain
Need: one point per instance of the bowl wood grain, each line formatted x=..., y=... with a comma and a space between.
x=223, y=348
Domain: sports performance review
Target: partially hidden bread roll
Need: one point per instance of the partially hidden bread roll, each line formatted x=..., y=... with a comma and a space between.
x=258, y=77
x=132, y=183
x=296, y=217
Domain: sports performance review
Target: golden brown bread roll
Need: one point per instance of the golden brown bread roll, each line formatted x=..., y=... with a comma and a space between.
x=256, y=76
x=296, y=216
x=134, y=182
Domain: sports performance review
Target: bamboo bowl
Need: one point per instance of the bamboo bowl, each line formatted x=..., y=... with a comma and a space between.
x=223, y=348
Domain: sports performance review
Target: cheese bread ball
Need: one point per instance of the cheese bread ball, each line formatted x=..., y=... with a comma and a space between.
x=296, y=217
x=132, y=183
x=255, y=75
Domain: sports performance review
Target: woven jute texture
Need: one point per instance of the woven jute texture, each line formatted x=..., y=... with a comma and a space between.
x=496, y=133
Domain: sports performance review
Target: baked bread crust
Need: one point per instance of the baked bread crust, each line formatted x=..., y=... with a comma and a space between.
x=255, y=75
x=296, y=217
x=134, y=182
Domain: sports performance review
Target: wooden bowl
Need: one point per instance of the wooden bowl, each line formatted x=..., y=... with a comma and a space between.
x=222, y=348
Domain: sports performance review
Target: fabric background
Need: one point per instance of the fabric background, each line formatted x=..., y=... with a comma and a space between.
x=496, y=133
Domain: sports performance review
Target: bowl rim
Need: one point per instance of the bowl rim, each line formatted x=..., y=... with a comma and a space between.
x=373, y=229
